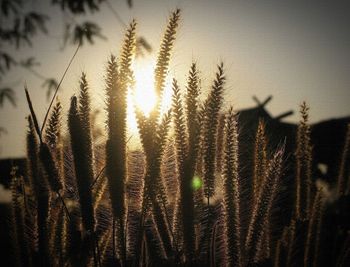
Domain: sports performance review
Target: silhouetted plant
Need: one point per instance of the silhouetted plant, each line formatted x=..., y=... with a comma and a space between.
x=82, y=154
x=117, y=87
x=313, y=232
x=231, y=191
x=212, y=108
x=21, y=250
x=40, y=190
x=187, y=132
x=153, y=138
x=262, y=208
x=260, y=159
x=303, y=166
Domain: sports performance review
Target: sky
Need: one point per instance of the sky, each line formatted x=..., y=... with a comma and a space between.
x=293, y=50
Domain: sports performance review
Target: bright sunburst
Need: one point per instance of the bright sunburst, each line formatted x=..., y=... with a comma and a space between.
x=143, y=93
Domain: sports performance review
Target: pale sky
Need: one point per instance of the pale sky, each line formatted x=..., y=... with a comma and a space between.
x=293, y=50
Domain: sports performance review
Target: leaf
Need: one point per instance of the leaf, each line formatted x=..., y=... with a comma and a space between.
x=9, y=6
x=78, y=6
x=34, y=22
x=39, y=20
x=32, y=112
x=29, y=62
x=130, y=3
x=6, y=61
x=142, y=44
x=3, y=131
x=51, y=84
x=9, y=94
x=87, y=30
x=67, y=33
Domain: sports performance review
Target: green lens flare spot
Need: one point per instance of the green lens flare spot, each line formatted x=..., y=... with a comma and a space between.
x=196, y=183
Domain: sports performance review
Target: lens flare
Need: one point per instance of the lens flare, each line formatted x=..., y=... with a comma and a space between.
x=196, y=183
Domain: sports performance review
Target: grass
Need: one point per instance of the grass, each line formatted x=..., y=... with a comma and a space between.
x=106, y=205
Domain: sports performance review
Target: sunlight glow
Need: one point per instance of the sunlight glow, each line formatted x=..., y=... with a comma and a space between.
x=143, y=94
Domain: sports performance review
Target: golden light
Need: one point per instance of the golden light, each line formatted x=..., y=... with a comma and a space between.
x=143, y=94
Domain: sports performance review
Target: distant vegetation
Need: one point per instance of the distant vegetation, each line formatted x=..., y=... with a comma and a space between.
x=181, y=199
x=22, y=21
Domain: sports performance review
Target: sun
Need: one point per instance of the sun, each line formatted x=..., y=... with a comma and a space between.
x=143, y=95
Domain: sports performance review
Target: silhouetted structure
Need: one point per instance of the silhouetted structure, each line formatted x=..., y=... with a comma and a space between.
x=327, y=137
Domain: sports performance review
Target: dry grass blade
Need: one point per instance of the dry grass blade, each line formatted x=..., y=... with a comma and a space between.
x=311, y=243
x=165, y=50
x=52, y=132
x=231, y=192
x=180, y=127
x=40, y=190
x=116, y=171
x=127, y=55
x=262, y=208
x=212, y=105
x=303, y=165
x=185, y=172
x=35, y=121
x=163, y=60
x=37, y=181
x=20, y=245
x=50, y=167
x=260, y=159
x=153, y=139
x=58, y=87
x=83, y=171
